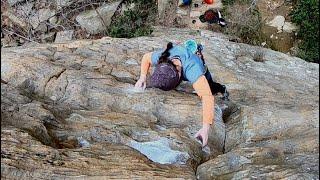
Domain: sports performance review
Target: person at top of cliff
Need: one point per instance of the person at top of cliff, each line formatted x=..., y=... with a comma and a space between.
x=177, y=63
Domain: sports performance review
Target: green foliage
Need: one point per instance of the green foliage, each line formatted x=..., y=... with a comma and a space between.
x=306, y=15
x=134, y=22
x=227, y=2
x=231, y=2
x=244, y=22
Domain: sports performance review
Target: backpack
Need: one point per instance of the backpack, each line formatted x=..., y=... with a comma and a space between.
x=212, y=16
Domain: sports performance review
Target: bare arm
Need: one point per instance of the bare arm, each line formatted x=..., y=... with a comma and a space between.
x=203, y=90
x=145, y=65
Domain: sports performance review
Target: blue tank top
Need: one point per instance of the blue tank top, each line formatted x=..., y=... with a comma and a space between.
x=192, y=65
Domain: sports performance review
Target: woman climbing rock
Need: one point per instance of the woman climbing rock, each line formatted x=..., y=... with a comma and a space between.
x=177, y=63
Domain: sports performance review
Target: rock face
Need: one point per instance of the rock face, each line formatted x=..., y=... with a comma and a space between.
x=69, y=110
x=63, y=36
x=96, y=21
x=280, y=33
x=281, y=25
x=41, y=16
x=13, y=2
x=41, y=20
x=63, y=3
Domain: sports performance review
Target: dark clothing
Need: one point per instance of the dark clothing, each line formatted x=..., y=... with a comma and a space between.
x=215, y=87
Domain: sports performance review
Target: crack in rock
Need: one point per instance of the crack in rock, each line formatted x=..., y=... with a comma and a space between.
x=56, y=76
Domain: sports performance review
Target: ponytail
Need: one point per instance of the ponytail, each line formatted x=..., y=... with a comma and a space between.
x=164, y=56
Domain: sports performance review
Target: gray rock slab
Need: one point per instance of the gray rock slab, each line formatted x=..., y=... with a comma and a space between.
x=64, y=36
x=96, y=21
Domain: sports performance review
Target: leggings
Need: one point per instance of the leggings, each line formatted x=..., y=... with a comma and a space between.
x=215, y=87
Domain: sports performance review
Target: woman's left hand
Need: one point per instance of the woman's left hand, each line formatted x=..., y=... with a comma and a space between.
x=202, y=134
x=141, y=83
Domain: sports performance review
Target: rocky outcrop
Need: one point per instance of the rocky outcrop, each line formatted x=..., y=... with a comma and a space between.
x=13, y=2
x=97, y=20
x=280, y=33
x=281, y=25
x=63, y=36
x=69, y=110
x=41, y=16
x=63, y=3
x=41, y=21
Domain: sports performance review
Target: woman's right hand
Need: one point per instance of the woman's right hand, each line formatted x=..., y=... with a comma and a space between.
x=142, y=82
